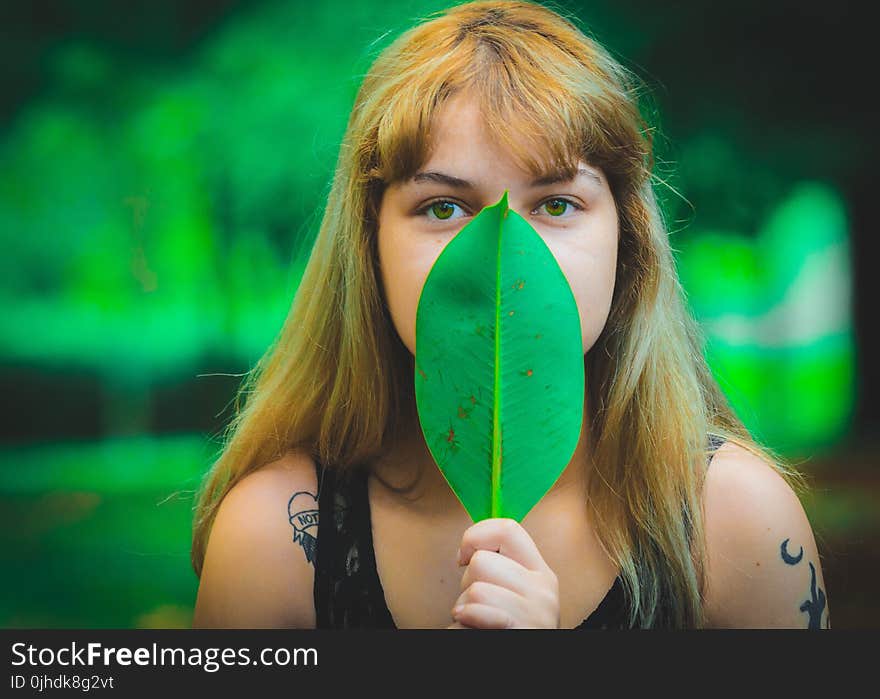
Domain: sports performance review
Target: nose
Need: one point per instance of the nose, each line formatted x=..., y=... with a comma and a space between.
x=503, y=194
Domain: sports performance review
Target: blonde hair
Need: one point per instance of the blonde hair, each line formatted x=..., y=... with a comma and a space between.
x=337, y=381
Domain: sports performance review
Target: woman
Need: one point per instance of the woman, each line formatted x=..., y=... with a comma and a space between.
x=326, y=509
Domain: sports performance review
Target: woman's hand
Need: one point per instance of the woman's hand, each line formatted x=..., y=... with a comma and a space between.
x=507, y=584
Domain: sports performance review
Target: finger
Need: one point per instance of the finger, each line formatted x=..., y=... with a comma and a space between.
x=484, y=616
x=492, y=595
x=493, y=567
x=504, y=535
x=457, y=625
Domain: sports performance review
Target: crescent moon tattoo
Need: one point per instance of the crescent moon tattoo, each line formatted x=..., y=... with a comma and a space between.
x=791, y=560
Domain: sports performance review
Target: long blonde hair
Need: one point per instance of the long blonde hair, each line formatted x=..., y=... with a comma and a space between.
x=338, y=382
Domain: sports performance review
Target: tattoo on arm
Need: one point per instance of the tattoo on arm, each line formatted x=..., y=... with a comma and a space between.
x=302, y=512
x=816, y=604
x=791, y=560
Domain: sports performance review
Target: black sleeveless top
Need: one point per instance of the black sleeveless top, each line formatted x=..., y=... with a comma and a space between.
x=348, y=592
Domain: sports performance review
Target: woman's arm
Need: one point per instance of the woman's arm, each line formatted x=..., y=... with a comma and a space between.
x=258, y=571
x=763, y=569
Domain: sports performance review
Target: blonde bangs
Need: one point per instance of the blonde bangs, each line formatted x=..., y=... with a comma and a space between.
x=546, y=98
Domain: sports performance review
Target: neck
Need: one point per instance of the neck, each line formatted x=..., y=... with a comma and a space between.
x=408, y=464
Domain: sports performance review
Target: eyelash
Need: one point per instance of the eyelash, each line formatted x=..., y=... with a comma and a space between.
x=422, y=211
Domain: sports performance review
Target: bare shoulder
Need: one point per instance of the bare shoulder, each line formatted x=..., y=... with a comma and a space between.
x=763, y=566
x=259, y=562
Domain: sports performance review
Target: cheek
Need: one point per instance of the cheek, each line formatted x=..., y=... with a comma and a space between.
x=590, y=271
x=404, y=267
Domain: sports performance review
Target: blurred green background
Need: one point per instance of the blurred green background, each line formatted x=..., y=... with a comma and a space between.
x=163, y=169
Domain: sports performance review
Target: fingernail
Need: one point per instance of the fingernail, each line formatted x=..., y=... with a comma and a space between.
x=456, y=611
x=458, y=557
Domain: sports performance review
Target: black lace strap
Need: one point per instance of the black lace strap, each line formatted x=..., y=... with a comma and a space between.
x=347, y=592
x=715, y=442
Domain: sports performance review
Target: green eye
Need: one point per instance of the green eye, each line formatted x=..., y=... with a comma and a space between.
x=442, y=209
x=559, y=208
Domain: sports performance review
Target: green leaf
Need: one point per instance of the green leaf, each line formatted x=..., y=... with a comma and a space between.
x=501, y=412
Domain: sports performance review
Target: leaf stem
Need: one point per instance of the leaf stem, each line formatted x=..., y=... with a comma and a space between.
x=496, y=408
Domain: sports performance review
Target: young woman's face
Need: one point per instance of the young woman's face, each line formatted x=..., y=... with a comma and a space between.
x=417, y=218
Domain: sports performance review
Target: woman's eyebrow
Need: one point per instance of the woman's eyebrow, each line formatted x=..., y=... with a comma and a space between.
x=556, y=177
x=442, y=178
x=451, y=181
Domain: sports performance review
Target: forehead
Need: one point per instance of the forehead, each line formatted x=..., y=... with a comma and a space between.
x=461, y=113
x=460, y=137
